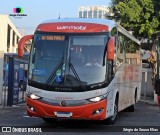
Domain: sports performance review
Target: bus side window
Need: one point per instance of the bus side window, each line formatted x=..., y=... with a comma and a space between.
x=121, y=56
x=114, y=32
x=132, y=52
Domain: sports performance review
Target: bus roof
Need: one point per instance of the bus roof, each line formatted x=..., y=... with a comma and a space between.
x=109, y=23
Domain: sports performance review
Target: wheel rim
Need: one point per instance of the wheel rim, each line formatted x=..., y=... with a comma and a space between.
x=115, y=112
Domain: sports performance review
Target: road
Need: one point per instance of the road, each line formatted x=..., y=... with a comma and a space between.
x=145, y=116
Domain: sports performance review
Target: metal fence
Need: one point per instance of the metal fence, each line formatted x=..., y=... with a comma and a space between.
x=14, y=81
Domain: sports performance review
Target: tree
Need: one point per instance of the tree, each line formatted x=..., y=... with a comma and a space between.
x=140, y=16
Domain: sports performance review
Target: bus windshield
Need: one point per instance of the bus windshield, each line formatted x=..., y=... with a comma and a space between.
x=69, y=60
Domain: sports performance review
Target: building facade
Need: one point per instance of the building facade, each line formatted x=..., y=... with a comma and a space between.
x=93, y=11
x=9, y=35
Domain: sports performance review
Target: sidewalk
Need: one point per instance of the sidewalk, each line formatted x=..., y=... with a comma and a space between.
x=148, y=100
x=21, y=105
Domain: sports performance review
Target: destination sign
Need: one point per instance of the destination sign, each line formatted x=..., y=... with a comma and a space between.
x=51, y=37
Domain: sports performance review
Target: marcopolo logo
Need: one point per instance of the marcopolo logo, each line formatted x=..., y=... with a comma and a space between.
x=18, y=13
x=18, y=10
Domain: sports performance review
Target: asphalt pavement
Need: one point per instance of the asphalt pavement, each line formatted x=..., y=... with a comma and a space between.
x=146, y=116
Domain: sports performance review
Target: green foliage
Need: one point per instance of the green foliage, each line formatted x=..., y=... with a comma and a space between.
x=140, y=16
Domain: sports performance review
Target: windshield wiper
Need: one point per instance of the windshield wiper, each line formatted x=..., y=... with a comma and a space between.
x=76, y=75
x=53, y=74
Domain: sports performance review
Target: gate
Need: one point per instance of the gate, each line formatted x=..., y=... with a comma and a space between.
x=15, y=80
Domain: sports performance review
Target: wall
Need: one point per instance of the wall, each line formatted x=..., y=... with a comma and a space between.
x=3, y=32
x=147, y=87
x=1, y=75
x=4, y=23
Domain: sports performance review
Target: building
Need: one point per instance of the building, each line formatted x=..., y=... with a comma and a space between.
x=93, y=12
x=9, y=35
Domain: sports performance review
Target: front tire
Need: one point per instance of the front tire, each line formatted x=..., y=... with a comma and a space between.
x=132, y=107
x=112, y=119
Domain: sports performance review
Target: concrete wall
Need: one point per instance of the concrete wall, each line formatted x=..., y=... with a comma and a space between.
x=148, y=86
x=4, y=22
x=3, y=32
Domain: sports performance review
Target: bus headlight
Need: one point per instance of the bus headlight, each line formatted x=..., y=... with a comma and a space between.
x=33, y=96
x=96, y=99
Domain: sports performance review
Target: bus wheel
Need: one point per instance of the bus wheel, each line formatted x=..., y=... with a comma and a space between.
x=132, y=107
x=112, y=119
x=49, y=120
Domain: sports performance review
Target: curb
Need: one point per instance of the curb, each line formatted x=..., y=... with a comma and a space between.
x=149, y=102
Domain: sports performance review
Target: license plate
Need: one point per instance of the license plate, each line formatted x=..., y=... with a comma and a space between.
x=63, y=114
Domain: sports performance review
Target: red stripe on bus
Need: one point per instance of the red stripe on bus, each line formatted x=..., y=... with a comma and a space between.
x=72, y=27
x=79, y=112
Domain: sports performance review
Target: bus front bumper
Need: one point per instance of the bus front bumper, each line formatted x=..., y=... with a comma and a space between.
x=91, y=111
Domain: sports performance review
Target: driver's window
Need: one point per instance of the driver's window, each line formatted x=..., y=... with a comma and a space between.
x=120, y=50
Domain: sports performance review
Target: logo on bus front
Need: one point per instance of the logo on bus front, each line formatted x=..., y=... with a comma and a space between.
x=71, y=27
x=63, y=103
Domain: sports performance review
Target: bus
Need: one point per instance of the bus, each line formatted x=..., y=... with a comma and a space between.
x=82, y=68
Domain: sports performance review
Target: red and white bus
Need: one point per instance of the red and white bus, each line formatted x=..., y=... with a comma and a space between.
x=82, y=69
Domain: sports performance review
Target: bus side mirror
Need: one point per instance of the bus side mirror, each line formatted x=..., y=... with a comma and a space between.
x=21, y=44
x=111, y=49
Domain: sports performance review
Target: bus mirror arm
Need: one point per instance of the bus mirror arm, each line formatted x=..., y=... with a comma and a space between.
x=111, y=49
x=21, y=44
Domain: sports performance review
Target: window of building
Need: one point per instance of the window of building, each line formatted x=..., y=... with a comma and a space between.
x=95, y=14
x=17, y=40
x=8, y=37
x=100, y=14
x=85, y=14
x=13, y=41
x=80, y=14
x=89, y=14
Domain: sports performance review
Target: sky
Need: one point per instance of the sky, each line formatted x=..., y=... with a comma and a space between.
x=40, y=10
